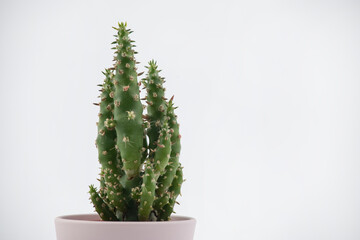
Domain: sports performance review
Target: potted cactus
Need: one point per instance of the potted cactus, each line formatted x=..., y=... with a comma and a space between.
x=140, y=176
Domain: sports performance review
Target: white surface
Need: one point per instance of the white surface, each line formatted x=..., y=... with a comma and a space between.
x=269, y=111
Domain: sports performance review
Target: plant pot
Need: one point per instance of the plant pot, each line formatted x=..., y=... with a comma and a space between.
x=90, y=227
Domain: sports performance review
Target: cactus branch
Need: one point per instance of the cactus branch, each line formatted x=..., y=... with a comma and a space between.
x=128, y=108
x=156, y=109
x=100, y=206
x=147, y=192
x=166, y=179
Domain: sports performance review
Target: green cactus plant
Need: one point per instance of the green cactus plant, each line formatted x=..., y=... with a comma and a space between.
x=140, y=176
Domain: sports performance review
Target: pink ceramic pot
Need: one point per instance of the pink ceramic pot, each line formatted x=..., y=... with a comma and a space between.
x=89, y=227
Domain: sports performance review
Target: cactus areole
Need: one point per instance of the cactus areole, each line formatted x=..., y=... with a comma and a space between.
x=138, y=142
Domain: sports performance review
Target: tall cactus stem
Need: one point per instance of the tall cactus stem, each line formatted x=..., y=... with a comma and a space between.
x=127, y=106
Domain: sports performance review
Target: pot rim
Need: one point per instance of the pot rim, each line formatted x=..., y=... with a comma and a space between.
x=84, y=219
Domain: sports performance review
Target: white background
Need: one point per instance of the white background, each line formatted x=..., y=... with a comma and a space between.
x=269, y=106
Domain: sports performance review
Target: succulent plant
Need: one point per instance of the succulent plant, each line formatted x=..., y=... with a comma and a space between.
x=140, y=176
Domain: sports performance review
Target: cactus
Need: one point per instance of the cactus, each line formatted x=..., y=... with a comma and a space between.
x=140, y=176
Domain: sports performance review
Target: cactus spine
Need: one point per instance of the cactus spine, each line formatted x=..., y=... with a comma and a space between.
x=140, y=175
